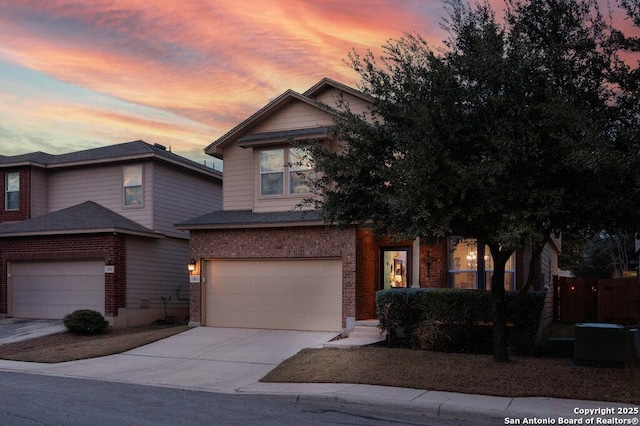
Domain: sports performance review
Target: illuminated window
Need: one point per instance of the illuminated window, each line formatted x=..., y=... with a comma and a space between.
x=394, y=268
x=132, y=186
x=471, y=266
x=12, y=191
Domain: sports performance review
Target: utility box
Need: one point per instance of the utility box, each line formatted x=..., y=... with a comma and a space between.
x=599, y=345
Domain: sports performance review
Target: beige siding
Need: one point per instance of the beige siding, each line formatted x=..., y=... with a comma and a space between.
x=548, y=264
x=103, y=185
x=357, y=105
x=296, y=115
x=39, y=192
x=180, y=196
x=156, y=268
x=238, y=178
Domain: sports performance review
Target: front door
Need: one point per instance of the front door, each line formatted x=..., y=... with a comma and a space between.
x=394, y=267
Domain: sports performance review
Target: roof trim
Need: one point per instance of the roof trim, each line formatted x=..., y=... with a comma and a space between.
x=328, y=82
x=82, y=231
x=229, y=219
x=250, y=225
x=270, y=138
x=116, y=153
x=216, y=147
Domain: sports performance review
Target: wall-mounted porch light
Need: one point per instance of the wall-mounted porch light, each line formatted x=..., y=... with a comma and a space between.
x=191, y=266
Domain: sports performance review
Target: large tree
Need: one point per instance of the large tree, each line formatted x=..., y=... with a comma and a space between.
x=507, y=133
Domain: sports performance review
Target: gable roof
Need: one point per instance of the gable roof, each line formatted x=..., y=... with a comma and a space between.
x=225, y=219
x=88, y=217
x=135, y=150
x=241, y=130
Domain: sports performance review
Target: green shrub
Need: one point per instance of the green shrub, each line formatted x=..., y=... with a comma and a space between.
x=455, y=320
x=85, y=321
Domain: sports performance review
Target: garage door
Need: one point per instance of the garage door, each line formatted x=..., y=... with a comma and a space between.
x=54, y=289
x=277, y=294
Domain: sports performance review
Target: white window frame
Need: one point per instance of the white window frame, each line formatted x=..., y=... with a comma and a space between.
x=287, y=170
x=126, y=184
x=8, y=190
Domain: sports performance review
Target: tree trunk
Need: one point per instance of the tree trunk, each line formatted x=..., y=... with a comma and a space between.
x=499, y=306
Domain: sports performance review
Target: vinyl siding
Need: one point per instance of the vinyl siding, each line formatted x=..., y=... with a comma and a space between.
x=238, y=178
x=548, y=264
x=156, y=268
x=296, y=115
x=180, y=195
x=103, y=185
x=329, y=97
x=39, y=194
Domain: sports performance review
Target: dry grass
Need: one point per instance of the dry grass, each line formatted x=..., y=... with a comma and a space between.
x=69, y=347
x=465, y=373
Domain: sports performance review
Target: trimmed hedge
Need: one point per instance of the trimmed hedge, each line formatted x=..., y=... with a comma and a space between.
x=85, y=321
x=456, y=320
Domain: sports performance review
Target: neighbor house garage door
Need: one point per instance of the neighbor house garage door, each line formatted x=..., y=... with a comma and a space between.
x=54, y=289
x=277, y=294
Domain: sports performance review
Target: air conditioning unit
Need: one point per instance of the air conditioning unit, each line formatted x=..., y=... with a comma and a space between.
x=599, y=345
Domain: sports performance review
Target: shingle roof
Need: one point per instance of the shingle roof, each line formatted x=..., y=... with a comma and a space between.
x=135, y=149
x=88, y=217
x=247, y=218
x=284, y=134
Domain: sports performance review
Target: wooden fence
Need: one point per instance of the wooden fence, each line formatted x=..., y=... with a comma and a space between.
x=593, y=300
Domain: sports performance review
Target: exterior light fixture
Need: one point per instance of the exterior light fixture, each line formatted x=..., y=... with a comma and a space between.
x=191, y=266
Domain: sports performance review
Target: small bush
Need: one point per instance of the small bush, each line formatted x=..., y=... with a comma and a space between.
x=85, y=321
x=454, y=320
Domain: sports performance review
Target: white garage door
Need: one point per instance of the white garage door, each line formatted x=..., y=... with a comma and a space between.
x=54, y=289
x=276, y=294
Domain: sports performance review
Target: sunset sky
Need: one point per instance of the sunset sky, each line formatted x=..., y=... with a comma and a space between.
x=83, y=74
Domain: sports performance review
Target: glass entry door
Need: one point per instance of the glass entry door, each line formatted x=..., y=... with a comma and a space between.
x=394, y=268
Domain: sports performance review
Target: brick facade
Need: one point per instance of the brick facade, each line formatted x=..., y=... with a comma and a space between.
x=70, y=247
x=360, y=251
x=24, y=203
x=368, y=268
x=279, y=243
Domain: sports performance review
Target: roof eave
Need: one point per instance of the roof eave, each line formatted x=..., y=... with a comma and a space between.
x=204, y=227
x=215, y=148
x=82, y=231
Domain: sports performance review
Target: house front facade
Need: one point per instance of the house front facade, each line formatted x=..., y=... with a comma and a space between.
x=263, y=262
x=93, y=229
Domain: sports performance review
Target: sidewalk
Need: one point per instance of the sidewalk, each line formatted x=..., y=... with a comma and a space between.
x=233, y=361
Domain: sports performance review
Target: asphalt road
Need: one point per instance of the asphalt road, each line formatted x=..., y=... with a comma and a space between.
x=28, y=399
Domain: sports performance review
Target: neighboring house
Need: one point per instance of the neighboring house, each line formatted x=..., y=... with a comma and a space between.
x=94, y=229
x=264, y=263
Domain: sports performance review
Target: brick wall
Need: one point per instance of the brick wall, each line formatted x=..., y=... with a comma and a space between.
x=368, y=268
x=70, y=247
x=434, y=266
x=24, y=209
x=278, y=243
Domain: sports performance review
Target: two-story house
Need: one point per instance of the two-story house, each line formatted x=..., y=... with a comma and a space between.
x=264, y=263
x=93, y=229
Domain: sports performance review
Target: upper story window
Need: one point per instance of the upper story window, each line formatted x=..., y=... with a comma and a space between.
x=275, y=164
x=12, y=191
x=471, y=266
x=132, y=186
x=272, y=172
x=300, y=172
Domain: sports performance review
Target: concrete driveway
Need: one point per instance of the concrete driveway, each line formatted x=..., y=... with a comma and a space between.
x=203, y=358
x=16, y=329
